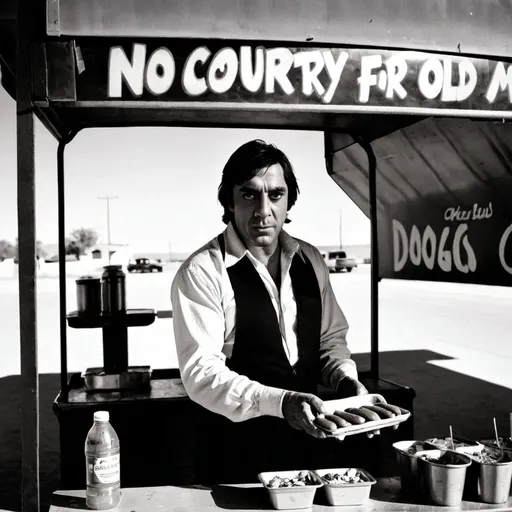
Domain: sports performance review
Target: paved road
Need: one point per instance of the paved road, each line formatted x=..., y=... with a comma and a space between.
x=464, y=321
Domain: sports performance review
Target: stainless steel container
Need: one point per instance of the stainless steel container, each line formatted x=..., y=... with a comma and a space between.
x=113, y=290
x=444, y=480
x=88, y=295
x=495, y=481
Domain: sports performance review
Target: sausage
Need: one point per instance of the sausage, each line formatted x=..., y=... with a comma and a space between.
x=374, y=414
x=325, y=424
x=383, y=413
x=354, y=419
x=365, y=413
x=393, y=408
x=340, y=422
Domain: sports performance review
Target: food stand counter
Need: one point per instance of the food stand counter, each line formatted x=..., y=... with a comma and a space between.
x=165, y=411
x=385, y=496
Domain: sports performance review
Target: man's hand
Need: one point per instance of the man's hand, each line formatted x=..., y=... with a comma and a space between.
x=350, y=387
x=301, y=409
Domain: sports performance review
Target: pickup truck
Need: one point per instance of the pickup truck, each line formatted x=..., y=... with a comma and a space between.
x=343, y=262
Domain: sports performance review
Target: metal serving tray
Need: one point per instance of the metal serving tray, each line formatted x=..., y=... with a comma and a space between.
x=134, y=378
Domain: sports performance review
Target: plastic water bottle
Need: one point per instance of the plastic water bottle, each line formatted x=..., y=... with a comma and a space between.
x=102, y=464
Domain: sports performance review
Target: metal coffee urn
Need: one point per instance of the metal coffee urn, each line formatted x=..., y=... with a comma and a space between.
x=102, y=304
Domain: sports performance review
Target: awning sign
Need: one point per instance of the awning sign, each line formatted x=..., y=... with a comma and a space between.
x=329, y=77
x=461, y=242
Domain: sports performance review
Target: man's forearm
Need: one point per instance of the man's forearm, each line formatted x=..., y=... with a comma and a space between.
x=234, y=396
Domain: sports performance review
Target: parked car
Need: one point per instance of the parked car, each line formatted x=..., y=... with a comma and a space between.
x=330, y=258
x=343, y=262
x=144, y=265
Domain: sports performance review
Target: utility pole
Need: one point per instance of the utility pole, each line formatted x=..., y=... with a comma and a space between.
x=340, y=231
x=108, y=199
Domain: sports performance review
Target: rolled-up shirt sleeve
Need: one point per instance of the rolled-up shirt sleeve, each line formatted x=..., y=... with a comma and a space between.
x=334, y=353
x=199, y=331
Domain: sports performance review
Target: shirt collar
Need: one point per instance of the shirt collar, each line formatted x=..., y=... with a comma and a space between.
x=236, y=250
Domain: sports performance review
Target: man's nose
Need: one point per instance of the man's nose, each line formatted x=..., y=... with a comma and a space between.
x=263, y=207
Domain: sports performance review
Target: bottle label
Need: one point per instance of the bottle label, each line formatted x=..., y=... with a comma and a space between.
x=103, y=470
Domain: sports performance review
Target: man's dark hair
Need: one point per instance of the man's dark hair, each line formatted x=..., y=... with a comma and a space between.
x=248, y=161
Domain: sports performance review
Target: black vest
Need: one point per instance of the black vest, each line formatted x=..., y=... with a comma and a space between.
x=258, y=350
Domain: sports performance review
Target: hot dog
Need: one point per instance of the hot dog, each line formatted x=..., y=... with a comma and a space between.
x=354, y=419
x=365, y=413
x=393, y=408
x=325, y=424
x=342, y=423
x=381, y=411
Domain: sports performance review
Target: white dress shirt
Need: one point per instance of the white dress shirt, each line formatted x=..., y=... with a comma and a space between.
x=204, y=313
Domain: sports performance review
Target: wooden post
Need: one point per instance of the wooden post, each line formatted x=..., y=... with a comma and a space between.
x=27, y=262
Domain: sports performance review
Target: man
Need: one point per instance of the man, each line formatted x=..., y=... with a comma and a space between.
x=257, y=328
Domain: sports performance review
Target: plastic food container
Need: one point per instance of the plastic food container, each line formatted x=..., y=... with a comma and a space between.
x=461, y=444
x=290, y=497
x=505, y=444
x=353, y=494
x=342, y=404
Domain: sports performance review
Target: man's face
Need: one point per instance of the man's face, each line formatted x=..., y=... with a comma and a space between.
x=260, y=206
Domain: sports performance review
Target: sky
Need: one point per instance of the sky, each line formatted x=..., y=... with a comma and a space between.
x=165, y=181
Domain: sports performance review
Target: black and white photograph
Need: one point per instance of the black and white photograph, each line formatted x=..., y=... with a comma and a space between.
x=255, y=255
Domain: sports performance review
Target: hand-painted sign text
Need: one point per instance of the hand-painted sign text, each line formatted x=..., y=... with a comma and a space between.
x=307, y=75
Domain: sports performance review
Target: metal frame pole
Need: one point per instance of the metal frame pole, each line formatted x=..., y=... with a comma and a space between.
x=61, y=201
x=374, y=280
x=372, y=177
x=30, y=499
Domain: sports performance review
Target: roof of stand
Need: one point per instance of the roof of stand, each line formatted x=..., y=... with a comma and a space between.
x=477, y=28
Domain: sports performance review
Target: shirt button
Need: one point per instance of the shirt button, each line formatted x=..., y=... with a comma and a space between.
x=294, y=371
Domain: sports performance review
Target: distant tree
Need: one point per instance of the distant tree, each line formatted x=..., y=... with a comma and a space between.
x=83, y=238
x=72, y=247
x=7, y=250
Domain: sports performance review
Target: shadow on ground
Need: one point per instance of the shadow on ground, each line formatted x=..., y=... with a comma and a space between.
x=443, y=398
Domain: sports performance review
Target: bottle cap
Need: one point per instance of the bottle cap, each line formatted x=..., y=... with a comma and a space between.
x=101, y=416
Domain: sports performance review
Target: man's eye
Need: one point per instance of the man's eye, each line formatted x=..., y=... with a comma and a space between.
x=248, y=196
x=276, y=196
